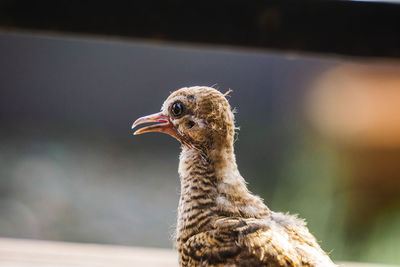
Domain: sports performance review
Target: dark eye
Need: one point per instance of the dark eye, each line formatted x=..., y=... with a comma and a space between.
x=177, y=109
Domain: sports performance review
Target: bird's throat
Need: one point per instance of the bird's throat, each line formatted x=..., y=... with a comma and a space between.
x=211, y=188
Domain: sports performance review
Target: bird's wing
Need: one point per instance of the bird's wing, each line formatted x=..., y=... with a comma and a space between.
x=240, y=242
x=255, y=242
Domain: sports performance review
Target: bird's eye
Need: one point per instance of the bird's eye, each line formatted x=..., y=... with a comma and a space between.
x=177, y=109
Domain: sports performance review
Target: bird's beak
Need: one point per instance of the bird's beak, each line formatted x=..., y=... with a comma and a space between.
x=164, y=125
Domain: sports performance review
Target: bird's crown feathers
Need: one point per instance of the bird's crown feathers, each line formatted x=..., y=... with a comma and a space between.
x=207, y=111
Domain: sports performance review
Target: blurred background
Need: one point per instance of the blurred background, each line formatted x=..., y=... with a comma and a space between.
x=319, y=122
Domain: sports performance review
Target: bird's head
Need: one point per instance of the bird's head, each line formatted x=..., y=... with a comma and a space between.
x=197, y=116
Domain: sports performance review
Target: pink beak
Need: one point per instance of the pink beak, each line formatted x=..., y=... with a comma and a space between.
x=164, y=125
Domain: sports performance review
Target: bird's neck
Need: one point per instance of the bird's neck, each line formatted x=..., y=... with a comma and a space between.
x=211, y=188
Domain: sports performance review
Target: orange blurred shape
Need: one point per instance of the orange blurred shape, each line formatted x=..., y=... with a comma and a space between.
x=358, y=104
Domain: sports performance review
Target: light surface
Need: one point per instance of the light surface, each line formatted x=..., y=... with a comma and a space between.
x=24, y=253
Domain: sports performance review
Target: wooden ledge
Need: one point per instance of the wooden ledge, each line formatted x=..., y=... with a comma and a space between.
x=24, y=253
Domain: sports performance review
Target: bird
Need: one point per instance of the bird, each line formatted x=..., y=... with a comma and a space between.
x=220, y=222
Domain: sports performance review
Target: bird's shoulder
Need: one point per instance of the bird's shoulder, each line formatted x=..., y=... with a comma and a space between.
x=276, y=240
